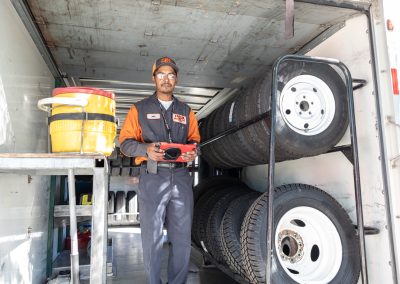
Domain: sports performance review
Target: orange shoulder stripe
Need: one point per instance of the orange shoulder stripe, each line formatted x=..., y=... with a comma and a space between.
x=193, y=132
x=131, y=128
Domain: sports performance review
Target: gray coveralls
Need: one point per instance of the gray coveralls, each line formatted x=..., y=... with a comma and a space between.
x=167, y=196
x=163, y=197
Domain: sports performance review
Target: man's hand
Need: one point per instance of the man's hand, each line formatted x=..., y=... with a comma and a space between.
x=154, y=152
x=189, y=156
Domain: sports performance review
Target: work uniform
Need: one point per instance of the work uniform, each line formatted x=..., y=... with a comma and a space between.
x=166, y=196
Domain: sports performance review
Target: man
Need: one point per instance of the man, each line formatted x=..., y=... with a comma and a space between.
x=165, y=193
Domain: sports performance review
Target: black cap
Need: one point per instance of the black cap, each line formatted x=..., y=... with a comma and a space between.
x=165, y=61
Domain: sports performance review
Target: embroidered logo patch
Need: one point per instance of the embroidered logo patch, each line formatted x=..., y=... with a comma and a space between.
x=153, y=116
x=179, y=118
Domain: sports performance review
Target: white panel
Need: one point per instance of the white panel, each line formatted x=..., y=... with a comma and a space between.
x=351, y=47
x=6, y=132
x=24, y=202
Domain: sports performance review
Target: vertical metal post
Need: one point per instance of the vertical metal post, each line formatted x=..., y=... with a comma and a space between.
x=98, y=254
x=73, y=228
x=271, y=173
x=356, y=172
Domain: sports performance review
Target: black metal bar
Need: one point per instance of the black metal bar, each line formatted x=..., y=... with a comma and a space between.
x=356, y=172
x=383, y=157
x=340, y=148
x=360, y=83
x=235, y=128
x=369, y=230
x=271, y=168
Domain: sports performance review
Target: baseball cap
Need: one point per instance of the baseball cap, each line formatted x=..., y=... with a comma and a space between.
x=165, y=61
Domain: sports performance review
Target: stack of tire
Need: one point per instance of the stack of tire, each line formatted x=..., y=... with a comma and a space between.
x=314, y=240
x=121, y=165
x=311, y=118
x=122, y=205
x=119, y=204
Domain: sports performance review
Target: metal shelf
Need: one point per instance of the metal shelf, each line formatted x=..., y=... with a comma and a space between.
x=62, y=164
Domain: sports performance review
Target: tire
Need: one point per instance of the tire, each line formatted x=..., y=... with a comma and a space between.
x=131, y=205
x=120, y=206
x=202, y=211
x=211, y=183
x=312, y=112
x=230, y=231
x=111, y=202
x=314, y=239
x=111, y=207
x=213, y=230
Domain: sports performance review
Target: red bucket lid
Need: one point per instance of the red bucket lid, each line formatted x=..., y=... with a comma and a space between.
x=84, y=90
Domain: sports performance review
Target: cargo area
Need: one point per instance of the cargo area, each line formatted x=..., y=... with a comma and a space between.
x=333, y=165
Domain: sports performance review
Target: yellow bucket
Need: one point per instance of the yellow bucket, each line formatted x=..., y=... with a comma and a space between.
x=86, y=128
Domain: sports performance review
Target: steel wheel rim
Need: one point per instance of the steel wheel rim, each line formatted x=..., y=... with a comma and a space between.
x=308, y=246
x=307, y=105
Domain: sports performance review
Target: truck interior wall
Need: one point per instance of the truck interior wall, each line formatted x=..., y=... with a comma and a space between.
x=24, y=79
x=333, y=172
x=387, y=45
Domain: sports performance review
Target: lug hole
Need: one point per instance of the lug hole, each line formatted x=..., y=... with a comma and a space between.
x=288, y=111
x=314, y=89
x=306, y=125
x=322, y=111
x=298, y=222
x=314, y=253
x=293, y=89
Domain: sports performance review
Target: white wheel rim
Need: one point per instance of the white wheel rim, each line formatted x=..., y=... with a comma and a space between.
x=307, y=105
x=308, y=246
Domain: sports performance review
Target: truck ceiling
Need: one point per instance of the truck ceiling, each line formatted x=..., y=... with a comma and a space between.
x=216, y=44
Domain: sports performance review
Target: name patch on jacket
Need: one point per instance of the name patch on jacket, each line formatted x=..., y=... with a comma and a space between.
x=153, y=116
x=179, y=118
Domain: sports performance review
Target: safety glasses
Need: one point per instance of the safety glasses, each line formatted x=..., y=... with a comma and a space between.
x=162, y=76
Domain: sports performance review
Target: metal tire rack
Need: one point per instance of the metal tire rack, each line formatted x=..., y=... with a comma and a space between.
x=71, y=165
x=354, y=146
x=271, y=165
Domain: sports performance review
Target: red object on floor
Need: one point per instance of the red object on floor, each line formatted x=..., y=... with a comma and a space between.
x=83, y=240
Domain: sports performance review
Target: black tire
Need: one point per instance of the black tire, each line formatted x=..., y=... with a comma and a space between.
x=131, y=205
x=111, y=202
x=211, y=183
x=292, y=197
x=111, y=207
x=120, y=206
x=213, y=230
x=202, y=211
x=230, y=231
x=293, y=145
